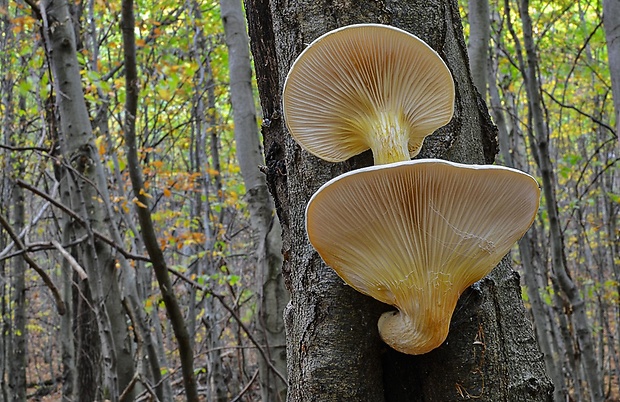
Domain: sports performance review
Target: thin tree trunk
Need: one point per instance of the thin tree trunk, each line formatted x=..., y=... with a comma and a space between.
x=86, y=183
x=66, y=328
x=19, y=335
x=586, y=343
x=130, y=279
x=265, y=225
x=333, y=349
x=7, y=83
x=15, y=348
x=206, y=135
x=88, y=347
x=611, y=23
x=527, y=247
x=479, y=35
x=554, y=369
x=160, y=267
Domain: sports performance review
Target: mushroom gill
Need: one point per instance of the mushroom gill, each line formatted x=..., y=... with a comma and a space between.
x=367, y=86
x=416, y=234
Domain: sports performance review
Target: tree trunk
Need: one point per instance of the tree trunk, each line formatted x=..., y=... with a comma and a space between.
x=527, y=249
x=129, y=274
x=88, y=349
x=160, y=267
x=582, y=326
x=86, y=182
x=611, y=23
x=266, y=232
x=478, y=47
x=19, y=344
x=67, y=338
x=334, y=351
x=206, y=137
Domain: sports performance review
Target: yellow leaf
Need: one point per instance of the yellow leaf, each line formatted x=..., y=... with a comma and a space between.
x=167, y=193
x=144, y=193
x=138, y=203
x=164, y=94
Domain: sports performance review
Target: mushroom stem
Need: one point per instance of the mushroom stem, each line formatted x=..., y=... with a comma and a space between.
x=406, y=335
x=389, y=138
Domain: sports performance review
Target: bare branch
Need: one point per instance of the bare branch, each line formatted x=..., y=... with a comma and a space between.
x=74, y=264
x=21, y=149
x=78, y=218
x=60, y=304
x=245, y=389
x=581, y=112
x=232, y=312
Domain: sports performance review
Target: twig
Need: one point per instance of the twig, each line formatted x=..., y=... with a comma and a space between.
x=22, y=149
x=74, y=264
x=60, y=304
x=29, y=225
x=129, y=387
x=245, y=389
x=150, y=390
x=220, y=298
x=35, y=8
x=78, y=218
x=127, y=391
x=37, y=246
x=581, y=112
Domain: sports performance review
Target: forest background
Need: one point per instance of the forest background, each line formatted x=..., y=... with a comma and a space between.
x=182, y=174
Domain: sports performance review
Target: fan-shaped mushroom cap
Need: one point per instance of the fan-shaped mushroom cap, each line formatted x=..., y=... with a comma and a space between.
x=367, y=86
x=416, y=234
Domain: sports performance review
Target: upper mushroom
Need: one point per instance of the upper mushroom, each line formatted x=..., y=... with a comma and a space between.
x=416, y=234
x=367, y=86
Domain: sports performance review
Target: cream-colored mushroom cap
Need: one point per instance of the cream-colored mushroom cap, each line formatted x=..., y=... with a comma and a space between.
x=416, y=234
x=367, y=86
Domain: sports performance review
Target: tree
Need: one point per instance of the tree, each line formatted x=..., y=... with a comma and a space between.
x=265, y=225
x=564, y=136
x=564, y=280
x=84, y=185
x=478, y=45
x=333, y=349
x=149, y=236
x=611, y=21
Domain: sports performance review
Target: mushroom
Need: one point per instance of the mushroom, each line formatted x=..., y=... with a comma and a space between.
x=416, y=234
x=367, y=86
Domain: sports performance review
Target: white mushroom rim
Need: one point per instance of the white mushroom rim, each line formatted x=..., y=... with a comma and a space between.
x=367, y=86
x=416, y=234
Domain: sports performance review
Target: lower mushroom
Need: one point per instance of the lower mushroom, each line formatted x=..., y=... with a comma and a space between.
x=416, y=234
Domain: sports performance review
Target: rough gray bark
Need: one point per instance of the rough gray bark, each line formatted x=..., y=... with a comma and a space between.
x=85, y=183
x=479, y=35
x=334, y=351
x=568, y=287
x=266, y=232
